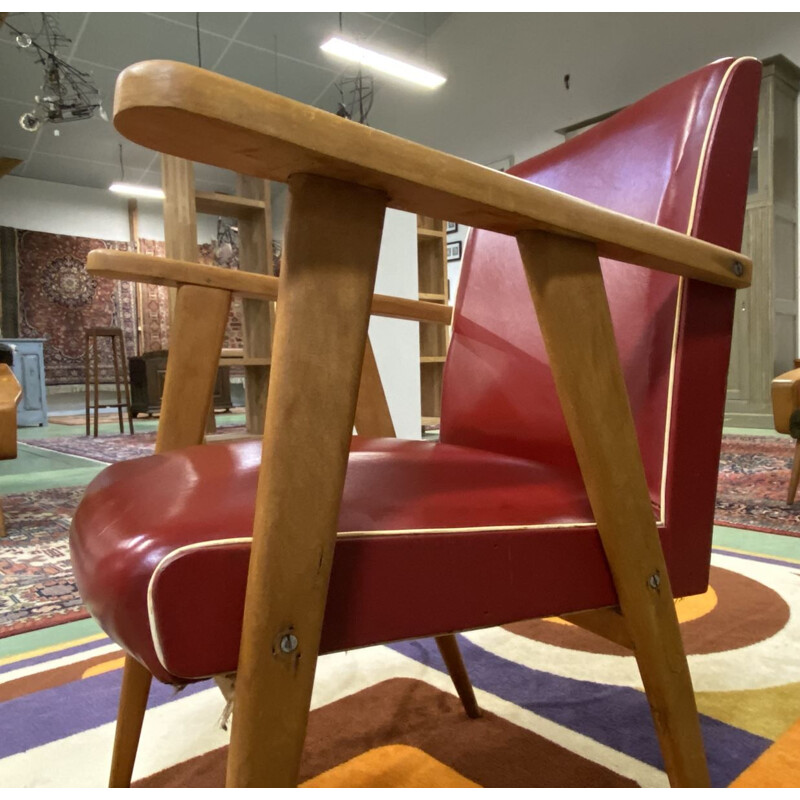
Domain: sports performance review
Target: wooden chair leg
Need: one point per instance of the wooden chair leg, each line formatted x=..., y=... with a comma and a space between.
x=451, y=654
x=566, y=285
x=332, y=243
x=373, y=418
x=132, y=704
x=795, y=479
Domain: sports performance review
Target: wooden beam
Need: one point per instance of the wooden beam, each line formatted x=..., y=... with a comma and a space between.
x=566, y=285
x=326, y=278
x=168, y=272
x=180, y=109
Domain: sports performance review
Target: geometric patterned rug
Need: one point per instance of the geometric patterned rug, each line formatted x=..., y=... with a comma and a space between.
x=37, y=589
x=753, y=480
x=557, y=710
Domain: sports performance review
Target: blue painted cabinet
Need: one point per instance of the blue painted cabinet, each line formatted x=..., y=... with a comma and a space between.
x=29, y=369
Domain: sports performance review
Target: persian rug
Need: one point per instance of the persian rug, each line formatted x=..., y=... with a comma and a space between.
x=37, y=589
x=754, y=476
x=559, y=708
x=59, y=300
x=111, y=448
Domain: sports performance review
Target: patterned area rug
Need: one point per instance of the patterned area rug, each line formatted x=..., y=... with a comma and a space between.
x=559, y=709
x=754, y=476
x=37, y=589
x=111, y=448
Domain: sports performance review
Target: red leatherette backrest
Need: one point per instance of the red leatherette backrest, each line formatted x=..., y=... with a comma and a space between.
x=679, y=158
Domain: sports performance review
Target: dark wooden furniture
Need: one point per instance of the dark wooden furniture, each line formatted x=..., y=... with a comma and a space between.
x=147, y=373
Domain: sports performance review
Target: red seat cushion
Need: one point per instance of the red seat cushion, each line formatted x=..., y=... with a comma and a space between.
x=161, y=547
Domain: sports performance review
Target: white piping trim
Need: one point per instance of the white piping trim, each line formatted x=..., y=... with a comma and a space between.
x=682, y=282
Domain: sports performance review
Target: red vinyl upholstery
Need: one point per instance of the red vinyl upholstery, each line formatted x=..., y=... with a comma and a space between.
x=491, y=524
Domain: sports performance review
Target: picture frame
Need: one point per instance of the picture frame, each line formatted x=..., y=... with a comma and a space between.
x=451, y=227
x=453, y=251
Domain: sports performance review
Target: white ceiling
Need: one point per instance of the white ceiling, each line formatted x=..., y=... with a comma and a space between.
x=279, y=52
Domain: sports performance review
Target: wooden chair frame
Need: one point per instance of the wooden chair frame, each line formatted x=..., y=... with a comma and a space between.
x=10, y=394
x=341, y=178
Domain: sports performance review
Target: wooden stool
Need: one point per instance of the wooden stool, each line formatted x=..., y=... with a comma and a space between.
x=115, y=334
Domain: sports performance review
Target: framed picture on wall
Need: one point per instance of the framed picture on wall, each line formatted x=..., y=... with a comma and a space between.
x=454, y=251
x=452, y=227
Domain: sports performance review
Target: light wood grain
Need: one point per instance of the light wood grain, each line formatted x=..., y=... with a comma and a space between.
x=255, y=255
x=198, y=330
x=180, y=109
x=567, y=289
x=169, y=272
x=785, y=398
x=327, y=278
x=10, y=393
x=606, y=622
x=227, y=205
x=136, y=681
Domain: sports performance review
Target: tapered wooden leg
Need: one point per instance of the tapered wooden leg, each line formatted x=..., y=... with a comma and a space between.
x=795, y=479
x=450, y=652
x=332, y=242
x=132, y=704
x=86, y=376
x=117, y=384
x=373, y=418
x=567, y=289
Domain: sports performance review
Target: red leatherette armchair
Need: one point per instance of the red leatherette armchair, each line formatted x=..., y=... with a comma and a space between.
x=522, y=509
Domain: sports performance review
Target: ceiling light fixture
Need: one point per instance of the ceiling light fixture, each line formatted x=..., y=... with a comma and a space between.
x=377, y=61
x=135, y=190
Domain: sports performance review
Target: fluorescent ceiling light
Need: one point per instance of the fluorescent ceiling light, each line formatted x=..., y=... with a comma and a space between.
x=378, y=61
x=136, y=190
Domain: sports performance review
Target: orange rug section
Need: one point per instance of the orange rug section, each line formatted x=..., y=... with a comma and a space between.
x=777, y=768
x=393, y=766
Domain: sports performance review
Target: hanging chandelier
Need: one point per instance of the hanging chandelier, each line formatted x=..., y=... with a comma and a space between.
x=67, y=94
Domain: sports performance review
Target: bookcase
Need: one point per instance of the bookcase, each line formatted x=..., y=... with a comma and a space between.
x=433, y=338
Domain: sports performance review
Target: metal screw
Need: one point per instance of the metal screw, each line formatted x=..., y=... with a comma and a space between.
x=737, y=268
x=654, y=581
x=288, y=643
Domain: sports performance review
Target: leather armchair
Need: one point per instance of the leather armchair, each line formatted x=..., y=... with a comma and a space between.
x=577, y=465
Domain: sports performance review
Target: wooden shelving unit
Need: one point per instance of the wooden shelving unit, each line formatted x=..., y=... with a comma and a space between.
x=433, y=338
x=251, y=207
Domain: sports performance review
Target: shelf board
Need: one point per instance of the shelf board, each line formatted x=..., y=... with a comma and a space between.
x=233, y=361
x=433, y=298
x=431, y=420
x=227, y=205
x=432, y=359
x=430, y=233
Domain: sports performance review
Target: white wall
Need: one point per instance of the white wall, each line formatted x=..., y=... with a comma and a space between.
x=94, y=213
x=28, y=204
x=395, y=341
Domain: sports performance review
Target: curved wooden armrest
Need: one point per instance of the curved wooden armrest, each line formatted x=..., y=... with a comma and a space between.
x=171, y=272
x=785, y=398
x=10, y=393
x=201, y=116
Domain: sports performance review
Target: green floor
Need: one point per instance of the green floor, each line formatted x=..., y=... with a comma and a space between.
x=35, y=468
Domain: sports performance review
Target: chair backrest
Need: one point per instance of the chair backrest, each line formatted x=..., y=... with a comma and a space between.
x=679, y=158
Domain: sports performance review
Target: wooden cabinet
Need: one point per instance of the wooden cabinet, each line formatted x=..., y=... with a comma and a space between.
x=765, y=326
x=29, y=369
x=433, y=338
x=147, y=373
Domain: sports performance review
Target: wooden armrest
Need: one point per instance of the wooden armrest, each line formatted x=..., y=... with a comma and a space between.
x=170, y=272
x=785, y=398
x=10, y=393
x=201, y=116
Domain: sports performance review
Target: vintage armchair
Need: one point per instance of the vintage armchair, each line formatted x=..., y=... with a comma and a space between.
x=10, y=393
x=574, y=476
x=786, y=415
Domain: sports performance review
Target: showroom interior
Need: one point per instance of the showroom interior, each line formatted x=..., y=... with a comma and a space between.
x=555, y=516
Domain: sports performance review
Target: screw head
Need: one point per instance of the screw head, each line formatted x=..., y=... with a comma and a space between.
x=654, y=581
x=737, y=268
x=288, y=643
